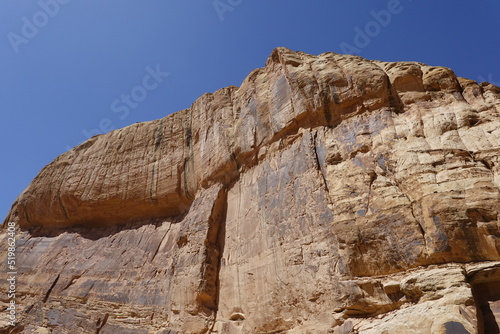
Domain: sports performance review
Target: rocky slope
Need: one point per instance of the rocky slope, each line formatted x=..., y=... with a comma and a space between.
x=327, y=194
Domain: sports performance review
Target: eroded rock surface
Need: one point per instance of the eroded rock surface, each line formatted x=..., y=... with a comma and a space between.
x=326, y=194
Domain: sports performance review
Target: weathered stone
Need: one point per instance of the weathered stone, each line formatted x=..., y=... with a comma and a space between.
x=326, y=194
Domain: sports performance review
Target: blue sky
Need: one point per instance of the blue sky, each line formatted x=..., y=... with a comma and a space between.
x=72, y=68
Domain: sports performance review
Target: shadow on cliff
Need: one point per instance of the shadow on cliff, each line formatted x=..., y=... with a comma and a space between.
x=96, y=232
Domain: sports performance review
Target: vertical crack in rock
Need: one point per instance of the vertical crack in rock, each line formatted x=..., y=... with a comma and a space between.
x=100, y=323
x=49, y=291
x=153, y=188
x=412, y=210
x=394, y=99
x=159, y=135
x=208, y=297
x=185, y=181
x=373, y=177
x=420, y=227
x=188, y=164
x=161, y=242
x=320, y=165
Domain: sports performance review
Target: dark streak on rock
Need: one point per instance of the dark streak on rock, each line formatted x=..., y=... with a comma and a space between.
x=100, y=324
x=50, y=289
x=208, y=297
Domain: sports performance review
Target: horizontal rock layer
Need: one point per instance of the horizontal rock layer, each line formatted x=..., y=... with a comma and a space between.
x=326, y=194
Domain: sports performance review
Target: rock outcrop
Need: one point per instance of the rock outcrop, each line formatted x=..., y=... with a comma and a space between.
x=326, y=194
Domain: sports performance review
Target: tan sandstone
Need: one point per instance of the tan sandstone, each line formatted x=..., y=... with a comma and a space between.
x=326, y=194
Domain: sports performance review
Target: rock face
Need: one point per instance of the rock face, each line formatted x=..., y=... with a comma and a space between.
x=327, y=194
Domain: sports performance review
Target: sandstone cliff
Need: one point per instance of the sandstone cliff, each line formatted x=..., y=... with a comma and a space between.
x=326, y=194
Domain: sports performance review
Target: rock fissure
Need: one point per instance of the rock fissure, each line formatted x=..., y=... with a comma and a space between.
x=160, y=244
x=320, y=165
x=101, y=323
x=214, y=245
x=54, y=282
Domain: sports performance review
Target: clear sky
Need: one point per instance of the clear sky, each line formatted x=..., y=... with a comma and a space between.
x=67, y=66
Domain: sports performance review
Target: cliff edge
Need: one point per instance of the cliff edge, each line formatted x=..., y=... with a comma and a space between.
x=326, y=194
